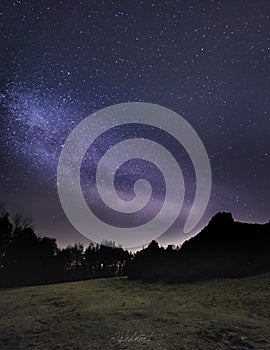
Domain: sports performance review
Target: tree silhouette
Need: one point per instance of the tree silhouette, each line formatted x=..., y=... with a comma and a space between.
x=5, y=234
x=28, y=259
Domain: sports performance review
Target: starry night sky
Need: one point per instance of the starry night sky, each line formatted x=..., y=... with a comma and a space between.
x=206, y=60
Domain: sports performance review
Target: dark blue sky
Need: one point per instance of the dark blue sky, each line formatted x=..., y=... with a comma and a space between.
x=206, y=60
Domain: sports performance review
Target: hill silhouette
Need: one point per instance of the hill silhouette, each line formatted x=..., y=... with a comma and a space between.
x=224, y=248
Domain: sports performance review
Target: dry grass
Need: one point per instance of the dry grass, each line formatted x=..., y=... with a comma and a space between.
x=120, y=314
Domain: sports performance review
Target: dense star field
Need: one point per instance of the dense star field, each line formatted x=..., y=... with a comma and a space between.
x=63, y=60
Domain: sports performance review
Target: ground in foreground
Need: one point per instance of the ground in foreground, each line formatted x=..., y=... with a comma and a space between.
x=120, y=314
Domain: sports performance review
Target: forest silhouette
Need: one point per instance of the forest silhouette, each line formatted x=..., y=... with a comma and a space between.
x=26, y=259
x=224, y=248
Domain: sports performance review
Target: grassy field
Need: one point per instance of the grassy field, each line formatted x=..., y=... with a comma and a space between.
x=120, y=314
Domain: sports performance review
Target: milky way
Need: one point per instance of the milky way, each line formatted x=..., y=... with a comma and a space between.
x=206, y=60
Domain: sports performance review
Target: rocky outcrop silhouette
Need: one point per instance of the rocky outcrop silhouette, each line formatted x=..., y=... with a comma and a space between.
x=224, y=248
